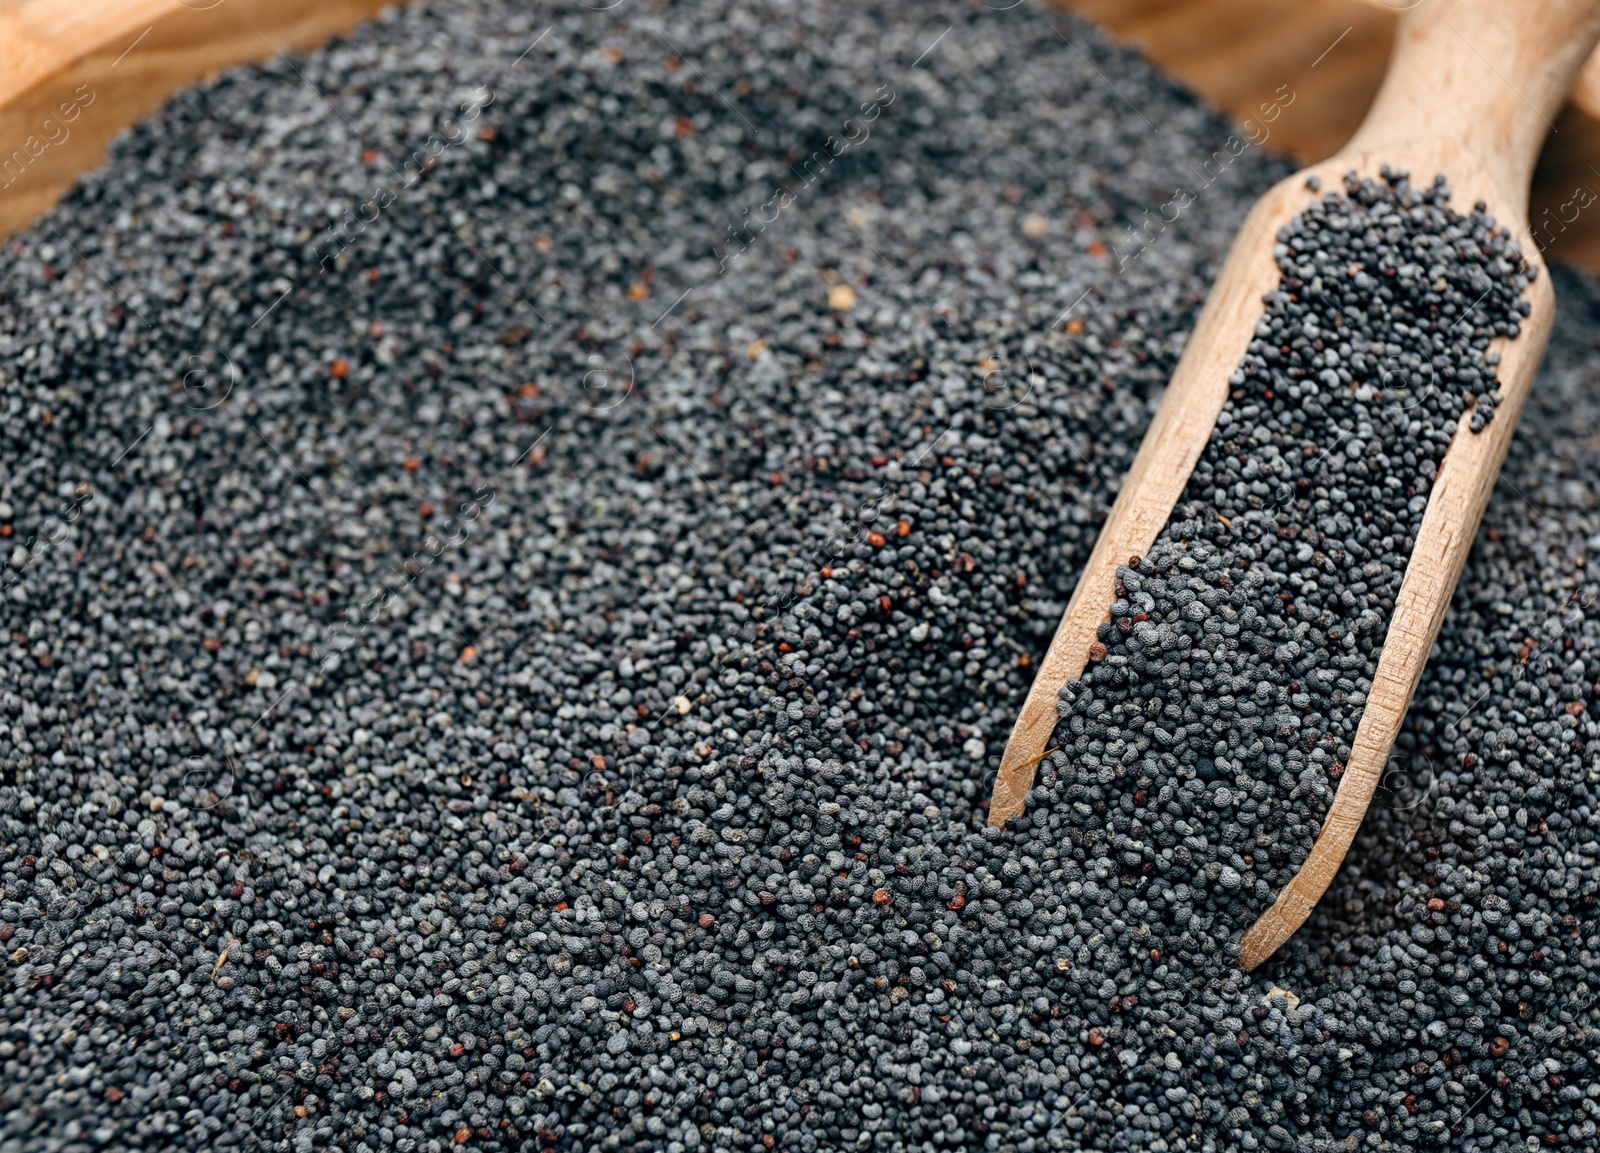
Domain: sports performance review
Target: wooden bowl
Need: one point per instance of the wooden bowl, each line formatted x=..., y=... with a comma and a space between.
x=74, y=73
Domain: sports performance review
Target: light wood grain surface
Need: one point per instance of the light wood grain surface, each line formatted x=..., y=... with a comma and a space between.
x=1332, y=55
x=1436, y=113
x=74, y=73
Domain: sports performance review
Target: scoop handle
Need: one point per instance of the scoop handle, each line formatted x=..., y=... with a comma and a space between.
x=1482, y=82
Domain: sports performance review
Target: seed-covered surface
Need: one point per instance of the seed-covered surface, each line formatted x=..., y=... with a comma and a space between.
x=495, y=700
x=1202, y=746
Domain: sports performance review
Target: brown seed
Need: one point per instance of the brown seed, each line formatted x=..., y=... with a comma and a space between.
x=707, y=920
x=881, y=896
x=463, y=1136
x=341, y=368
x=1097, y=651
x=877, y=539
x=957, y=902
x=1499, y=1047
x=1096, y=1038
x=1435, y=905
x=638, y=290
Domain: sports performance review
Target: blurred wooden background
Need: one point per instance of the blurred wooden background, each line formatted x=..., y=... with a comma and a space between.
x=1331, y=54
x=73, y=73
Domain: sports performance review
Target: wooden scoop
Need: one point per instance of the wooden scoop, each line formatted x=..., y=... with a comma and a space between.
x=1470, y=92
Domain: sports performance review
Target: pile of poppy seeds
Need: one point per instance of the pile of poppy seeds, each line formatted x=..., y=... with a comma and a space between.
x=529, y=527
